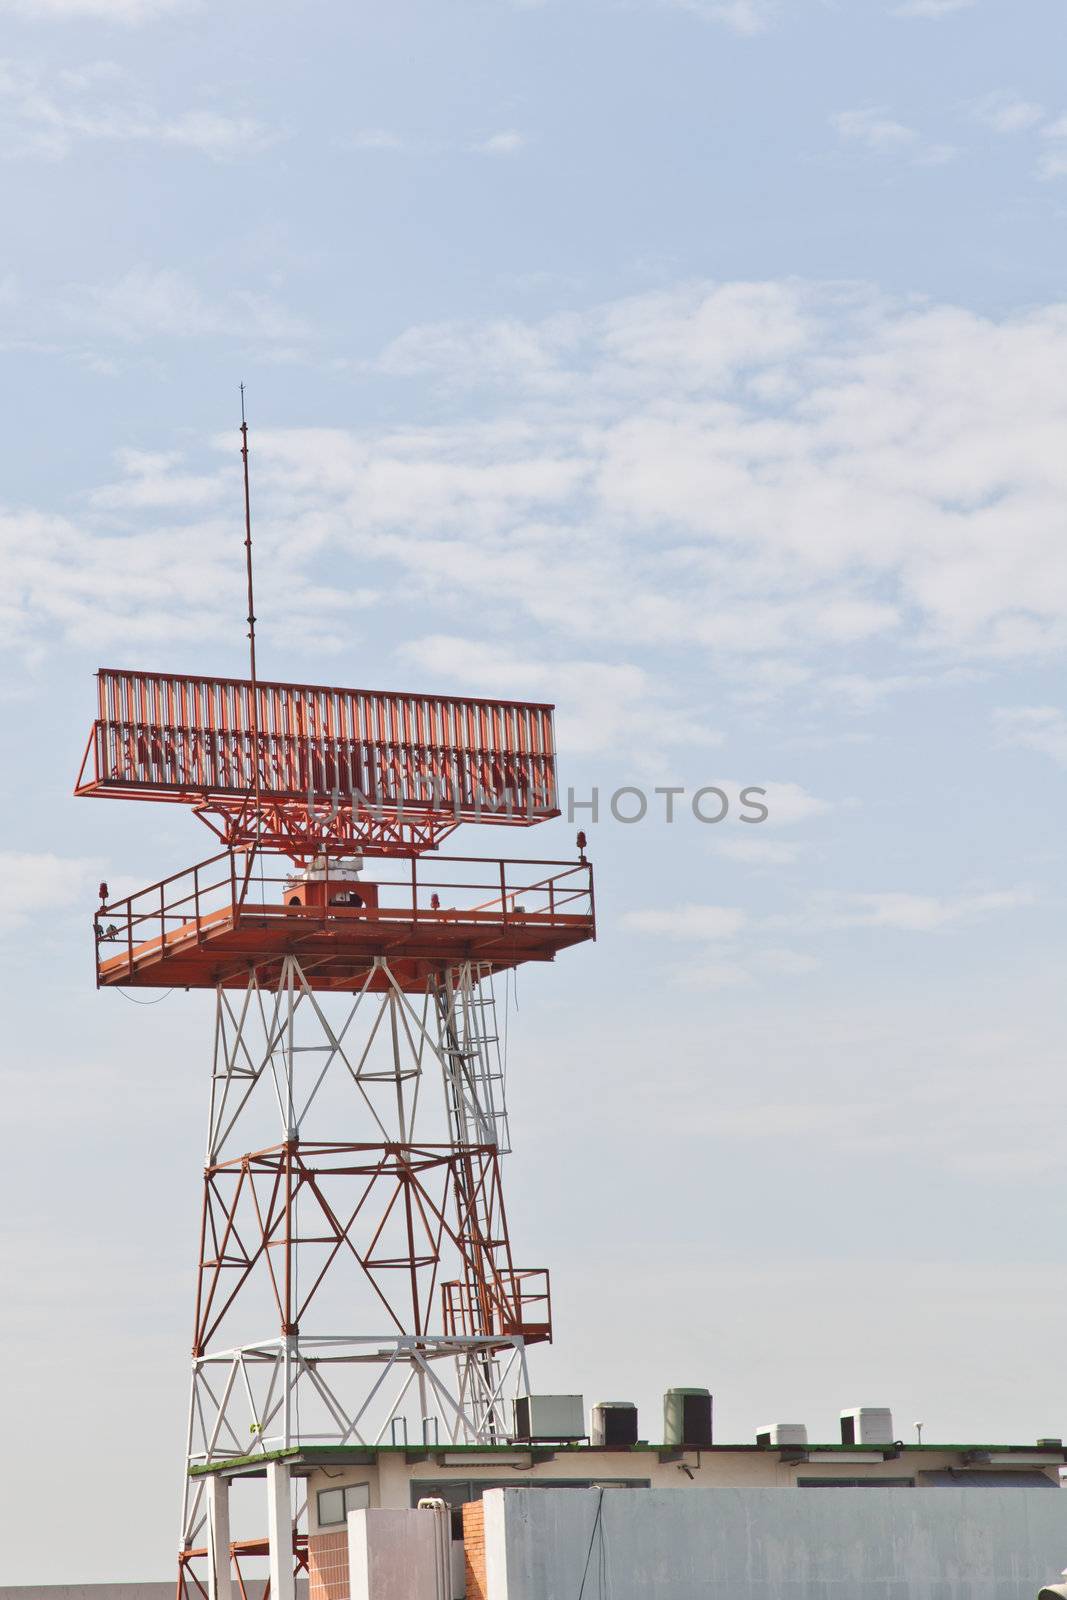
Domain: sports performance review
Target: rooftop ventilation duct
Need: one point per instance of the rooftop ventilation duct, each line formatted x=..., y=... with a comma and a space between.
x=614, y=1424
x=867, y=1425
x=553, y=1418
x=782, y=1433
x=687, y=1418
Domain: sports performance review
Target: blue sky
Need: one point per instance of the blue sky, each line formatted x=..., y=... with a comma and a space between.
x=699, y=367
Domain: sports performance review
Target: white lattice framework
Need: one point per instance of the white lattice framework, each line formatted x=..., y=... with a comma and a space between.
x=363, y=1068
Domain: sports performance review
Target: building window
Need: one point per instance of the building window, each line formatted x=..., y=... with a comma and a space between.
x=855, y=1483
x=335, y=1504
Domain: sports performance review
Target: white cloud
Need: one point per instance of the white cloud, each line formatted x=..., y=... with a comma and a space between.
x=603, y=706
x=875, y=129
x=38, y=884
x=46, y=118
x=617, y=480
x=760, y=852
x=211, y=133
x=151, y=481
x=932, y=8
x=376, y=139
x=702, y=335
x=710, y=972
x=731, y=957
x=735, y=950
x=830, y=912
x=787, y=803
x=147, y=303
x=506, y=143
x=906, y=913
x=936, y=155
x=741, y=16
x=750, y=17
x=688, y=922
x=713, y=975
x=1052, y=162
x=785, y=962
x=1007, y=112
x=127, y=12
x=862, y=693
x=1042, y=728
x=125, y=590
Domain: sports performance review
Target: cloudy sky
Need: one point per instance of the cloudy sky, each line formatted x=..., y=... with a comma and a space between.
x=698, y=366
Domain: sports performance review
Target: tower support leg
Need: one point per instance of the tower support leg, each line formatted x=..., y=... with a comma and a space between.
x=219, y=1581
x=280, y=1531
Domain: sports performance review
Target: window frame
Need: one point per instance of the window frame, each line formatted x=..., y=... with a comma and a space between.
x=344, y=1490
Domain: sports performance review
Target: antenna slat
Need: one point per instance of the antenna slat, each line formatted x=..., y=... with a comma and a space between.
x=172, y=737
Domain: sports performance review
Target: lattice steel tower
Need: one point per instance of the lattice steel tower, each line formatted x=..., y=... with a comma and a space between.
x=355, y=1281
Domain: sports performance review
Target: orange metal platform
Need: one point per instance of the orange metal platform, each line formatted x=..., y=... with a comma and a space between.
x=211, y=926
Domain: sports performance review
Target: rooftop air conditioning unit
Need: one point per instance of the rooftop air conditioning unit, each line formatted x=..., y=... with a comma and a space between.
x=687, y=1418
x=867, y=1425
x=552, y=1418
x=614, y=1424
x=782, y=1433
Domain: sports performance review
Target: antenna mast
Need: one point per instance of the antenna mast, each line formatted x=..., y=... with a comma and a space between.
x=251, y=615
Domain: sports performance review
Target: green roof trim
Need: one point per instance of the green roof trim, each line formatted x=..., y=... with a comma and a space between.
x=363, y=1454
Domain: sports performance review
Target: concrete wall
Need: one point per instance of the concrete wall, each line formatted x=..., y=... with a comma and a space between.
x=740, y=1544
x=392, y=1555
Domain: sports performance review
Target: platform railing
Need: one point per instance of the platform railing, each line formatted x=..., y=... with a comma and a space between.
x=256, y=886
x=517, y=1302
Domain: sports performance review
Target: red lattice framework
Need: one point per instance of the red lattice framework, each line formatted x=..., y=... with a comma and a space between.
x=390, y=1210
x=193, y=1582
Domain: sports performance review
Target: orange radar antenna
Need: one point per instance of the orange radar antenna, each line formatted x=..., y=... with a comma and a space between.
x=251, y=616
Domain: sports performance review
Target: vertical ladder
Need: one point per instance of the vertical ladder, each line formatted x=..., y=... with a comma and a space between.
x=477, y=1110
x=474, y=1063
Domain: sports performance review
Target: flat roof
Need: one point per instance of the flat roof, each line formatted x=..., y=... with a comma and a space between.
x=365, y=1455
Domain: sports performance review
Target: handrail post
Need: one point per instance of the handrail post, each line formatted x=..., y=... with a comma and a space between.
x=196, y=899
x=129, y=938
x=162, y=922
x=233, y=889
x=503, y=890
x=415, y=888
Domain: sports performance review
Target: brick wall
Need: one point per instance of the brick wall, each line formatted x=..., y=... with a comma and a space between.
x=474, y=1549
x=328, y=1566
